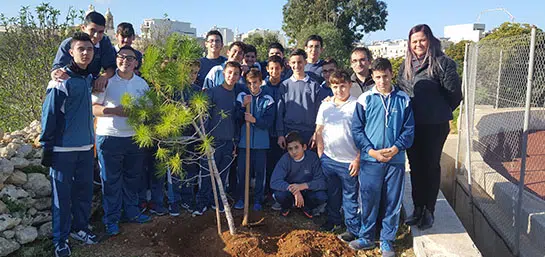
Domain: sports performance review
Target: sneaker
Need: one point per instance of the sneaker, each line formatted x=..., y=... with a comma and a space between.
x=85, y=236
x=112, y=229
x=158, y=210
x=258, y=207
x=143, y=206
x=416, y=217
x=285, y=213
x=199, y=212
x=239, y=205
x=221, y=209
x=307, y=213
x=174, y=209
x=329, y=227
x=346, y=237
x=362, y=244
x=387, y=249
x=187, y=207
x=140, y=219
x=276, y=206
x=62, y=249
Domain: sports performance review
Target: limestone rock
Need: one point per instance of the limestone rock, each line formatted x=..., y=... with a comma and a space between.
x=41, y=218
x=36, y=162
x=8, y=234
x=46, y=230
x=42, y=203
x=17, y=178
x=19, y=163
x=7, y=152
x=24, y=151
x=6, y=166
x=3, y=208
x=26, y=235
x=8, y=222
x=32, y=211
x=37, y=155
x=38, y=184
x=8, y=246
x=13, y=192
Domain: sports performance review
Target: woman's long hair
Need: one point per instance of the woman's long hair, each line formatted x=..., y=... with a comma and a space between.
x=434, y=51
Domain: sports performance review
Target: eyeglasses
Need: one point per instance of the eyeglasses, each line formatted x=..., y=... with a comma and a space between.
x=217, y=41
x=128, y=58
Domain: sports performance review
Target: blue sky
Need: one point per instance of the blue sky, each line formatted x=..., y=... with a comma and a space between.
x=267, y=14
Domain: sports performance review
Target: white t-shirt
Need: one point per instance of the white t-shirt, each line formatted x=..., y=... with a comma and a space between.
x=111, y=97
x=337, y=135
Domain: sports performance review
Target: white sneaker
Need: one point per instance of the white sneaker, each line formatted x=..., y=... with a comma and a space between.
x=85, y=236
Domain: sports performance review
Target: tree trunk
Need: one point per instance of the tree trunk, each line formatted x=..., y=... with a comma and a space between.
x=226, y=207
x=213, y=181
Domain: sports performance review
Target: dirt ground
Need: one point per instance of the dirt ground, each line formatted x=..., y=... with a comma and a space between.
x=197, y=236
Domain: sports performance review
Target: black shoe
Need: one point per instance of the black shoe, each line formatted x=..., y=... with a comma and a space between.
x=427, y=220
x=346, y=237
x=416, y=217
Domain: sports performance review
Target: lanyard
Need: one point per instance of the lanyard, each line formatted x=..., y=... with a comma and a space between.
x=386, y=107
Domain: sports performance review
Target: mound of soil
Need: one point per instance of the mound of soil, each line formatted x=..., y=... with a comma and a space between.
x=198, y=237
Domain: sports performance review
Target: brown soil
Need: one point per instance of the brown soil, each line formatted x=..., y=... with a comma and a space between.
x=534, y=178
x=197, y=236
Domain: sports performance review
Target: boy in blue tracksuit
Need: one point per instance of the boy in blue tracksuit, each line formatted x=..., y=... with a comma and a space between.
x=67, y=141
x=297, y=178
x=221, y=124
x=314, y=46
x=104, y=53
x=180, y=192
x=262, y=109
x=298, y=102
x=382, y=128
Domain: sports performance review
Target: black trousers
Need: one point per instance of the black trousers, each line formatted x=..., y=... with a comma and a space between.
x=424, y=159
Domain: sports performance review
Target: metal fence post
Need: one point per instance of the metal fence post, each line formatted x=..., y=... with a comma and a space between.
x=524, y=143
x=468, y=132
x=460, y=113
x=499, y=80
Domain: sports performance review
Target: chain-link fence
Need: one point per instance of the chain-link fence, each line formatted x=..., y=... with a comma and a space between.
x=502, y=137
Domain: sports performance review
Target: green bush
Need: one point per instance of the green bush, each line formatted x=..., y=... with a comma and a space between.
x=27, y=50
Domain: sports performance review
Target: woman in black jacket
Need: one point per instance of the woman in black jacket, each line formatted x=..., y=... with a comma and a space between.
x=430, y=78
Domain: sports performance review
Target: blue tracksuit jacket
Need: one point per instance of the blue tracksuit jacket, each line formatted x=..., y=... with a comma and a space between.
x=382, y=122
x=263, y=108
x=67, y=116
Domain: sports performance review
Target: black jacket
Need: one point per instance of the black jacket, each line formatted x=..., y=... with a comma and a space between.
x=433, y=98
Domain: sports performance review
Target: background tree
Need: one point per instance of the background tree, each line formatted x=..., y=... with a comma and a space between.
x=508, y=29
x=27, y=50
x=353, y=18
x=332, y=37
x=457, y=52
x=396, y=63
x=262, y=42
x=163, y=114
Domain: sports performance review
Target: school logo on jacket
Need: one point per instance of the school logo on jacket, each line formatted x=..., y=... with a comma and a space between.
x=306, y=171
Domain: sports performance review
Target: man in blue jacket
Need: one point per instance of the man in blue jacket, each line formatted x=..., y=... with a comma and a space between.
x=67, y=141
x=382, y=128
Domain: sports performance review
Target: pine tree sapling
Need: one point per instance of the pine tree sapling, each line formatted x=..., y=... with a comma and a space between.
x=162, y=115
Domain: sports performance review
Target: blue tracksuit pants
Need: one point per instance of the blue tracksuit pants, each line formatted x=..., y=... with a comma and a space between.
x=150, y=181
x=120, y=161
x=381, y=186
x=342, y=190
x=312, y=199
x=72, y=186
x=223, y=156
x=258, y=166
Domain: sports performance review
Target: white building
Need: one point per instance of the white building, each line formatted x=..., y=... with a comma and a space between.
x=388, y=48
x=457, y=33
x=279, y=35
x=162, y=27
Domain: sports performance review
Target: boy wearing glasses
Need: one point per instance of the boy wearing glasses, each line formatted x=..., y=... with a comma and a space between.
x=104, y=58
x=314, y=46
x=214, y=44
x=120, y=158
